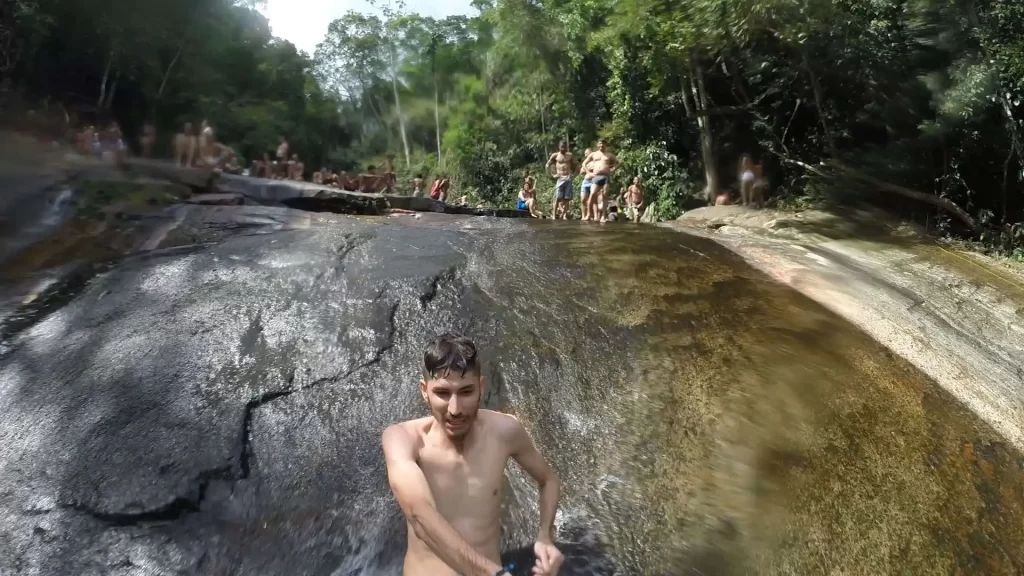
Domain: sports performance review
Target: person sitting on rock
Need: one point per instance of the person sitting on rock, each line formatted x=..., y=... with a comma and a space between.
x=370, y=181
x=527, y=197
x=417, y=186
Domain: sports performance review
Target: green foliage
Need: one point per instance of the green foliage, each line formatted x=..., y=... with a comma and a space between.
x=175, y=62
x=925, y=94
x=664, y=180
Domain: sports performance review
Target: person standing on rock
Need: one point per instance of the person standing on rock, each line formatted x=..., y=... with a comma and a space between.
x=588, y=181
x=281, y=166
x=564, y=165
x=634, y=197
x=604, y=165
x=447, y=472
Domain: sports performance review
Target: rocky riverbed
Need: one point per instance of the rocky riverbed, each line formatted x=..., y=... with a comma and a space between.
x=198, y=389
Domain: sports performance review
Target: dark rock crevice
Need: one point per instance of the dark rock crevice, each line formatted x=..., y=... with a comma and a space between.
x=175, y=509
x=246, y=456
x=448, y=275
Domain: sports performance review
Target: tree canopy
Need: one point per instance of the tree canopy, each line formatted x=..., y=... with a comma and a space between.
x=912, y=104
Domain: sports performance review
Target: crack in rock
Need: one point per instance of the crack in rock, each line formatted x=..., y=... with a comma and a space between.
x=247, y=454
x=447, y=275
x=173, y=510
x=195, y=495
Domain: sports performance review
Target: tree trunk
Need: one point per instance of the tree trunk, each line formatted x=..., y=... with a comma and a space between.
x=103, y=82
x=364, y=93
x=167, y=73
x=819, y=104
x=1006, y=177
x=707, y=142
x=398, y=103
x=112, y=91
x=944, y=203
x=437, y=122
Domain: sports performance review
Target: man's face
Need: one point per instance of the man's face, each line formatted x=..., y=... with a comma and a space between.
x=601, y=146
x=453, y=400
x=563, y=147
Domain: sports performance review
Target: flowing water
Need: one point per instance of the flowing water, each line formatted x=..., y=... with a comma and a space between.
x=216, y=408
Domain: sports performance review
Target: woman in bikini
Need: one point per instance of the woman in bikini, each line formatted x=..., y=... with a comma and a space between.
x=527, y=197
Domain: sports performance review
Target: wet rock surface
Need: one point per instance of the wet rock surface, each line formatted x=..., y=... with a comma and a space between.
x=212, y=402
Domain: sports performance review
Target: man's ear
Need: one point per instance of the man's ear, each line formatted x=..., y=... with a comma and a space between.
x=423, y=390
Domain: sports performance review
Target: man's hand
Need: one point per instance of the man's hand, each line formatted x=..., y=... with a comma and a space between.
x=549, y=559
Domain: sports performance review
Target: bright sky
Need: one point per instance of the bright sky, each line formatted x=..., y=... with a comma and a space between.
x=304, y=22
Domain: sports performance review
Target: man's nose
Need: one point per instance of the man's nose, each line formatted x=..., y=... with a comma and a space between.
x=453, y=406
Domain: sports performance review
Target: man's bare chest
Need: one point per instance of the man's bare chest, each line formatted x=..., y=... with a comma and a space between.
x=476, y=477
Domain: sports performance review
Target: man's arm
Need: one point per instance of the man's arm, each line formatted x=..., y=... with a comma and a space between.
x=525, y=452
x=551, y=162
x=413, y=494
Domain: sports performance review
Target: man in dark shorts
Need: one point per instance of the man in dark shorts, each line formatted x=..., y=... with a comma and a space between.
x=447, y=472
x=603, y=164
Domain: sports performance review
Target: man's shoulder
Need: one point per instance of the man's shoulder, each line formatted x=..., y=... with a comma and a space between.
x=412, y=429
x=502, y=424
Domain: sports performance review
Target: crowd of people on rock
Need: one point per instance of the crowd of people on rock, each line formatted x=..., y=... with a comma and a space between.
x=201, y=149
x=596, y=170
x=106, y=143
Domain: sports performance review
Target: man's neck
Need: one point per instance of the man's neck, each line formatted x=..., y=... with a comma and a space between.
x=446, y=442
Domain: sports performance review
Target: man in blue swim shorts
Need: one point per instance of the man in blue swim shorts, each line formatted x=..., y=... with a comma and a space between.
x=565, y=165
x=603, y=164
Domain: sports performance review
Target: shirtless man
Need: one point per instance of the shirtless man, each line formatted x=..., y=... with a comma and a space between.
x=296, y=169
x=185, y=146
x=635, y=199
x=389, y=173
x=417, y=186
x=447, y=472
x=564, y=165
x=604, y=165
x=147, y=140
x=282, y=157
x=588, y=181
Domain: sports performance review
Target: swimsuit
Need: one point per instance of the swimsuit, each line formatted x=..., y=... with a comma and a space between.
x=600, y=180
x=747, y=176
x=585, y=188
x=563, y=188
x=521, y=205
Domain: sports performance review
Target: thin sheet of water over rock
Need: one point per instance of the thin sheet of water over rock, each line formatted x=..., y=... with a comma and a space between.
x=217, y=409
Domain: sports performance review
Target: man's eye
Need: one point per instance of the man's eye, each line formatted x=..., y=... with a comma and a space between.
x=465, y=392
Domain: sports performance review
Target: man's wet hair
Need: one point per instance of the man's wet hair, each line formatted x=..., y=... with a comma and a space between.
x=447, y=354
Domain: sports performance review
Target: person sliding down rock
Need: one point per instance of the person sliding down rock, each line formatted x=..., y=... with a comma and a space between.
x=447, y=472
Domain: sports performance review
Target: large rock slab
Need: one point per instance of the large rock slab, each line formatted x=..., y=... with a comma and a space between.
x=306, y=196
x=957, y=318
x=200, y=179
